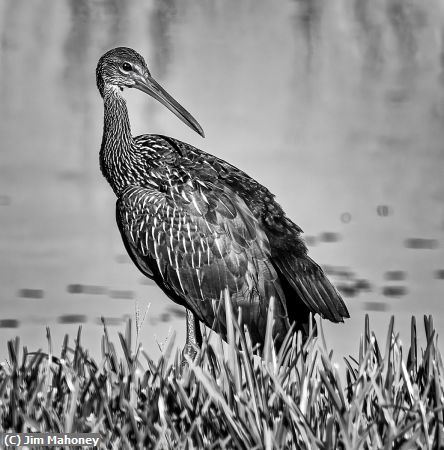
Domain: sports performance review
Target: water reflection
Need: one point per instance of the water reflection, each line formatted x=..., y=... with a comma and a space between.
x=421, y=243
x=86, y=289
x=308, y=18
x=337, y=107
x=439, y=274
x=395, y=275
x=72, y=318
x=31, y=293
x=9, y=323
x=394, y=291
x=164, y=14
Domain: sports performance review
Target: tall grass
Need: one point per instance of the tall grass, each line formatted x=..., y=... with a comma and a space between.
x=230, y=398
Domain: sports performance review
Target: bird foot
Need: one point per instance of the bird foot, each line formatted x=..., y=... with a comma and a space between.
x=190, y=350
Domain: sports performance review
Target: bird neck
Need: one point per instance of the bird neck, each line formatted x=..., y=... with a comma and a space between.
x=117, y=142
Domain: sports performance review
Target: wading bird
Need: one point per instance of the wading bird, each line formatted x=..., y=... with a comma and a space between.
x=197, y=225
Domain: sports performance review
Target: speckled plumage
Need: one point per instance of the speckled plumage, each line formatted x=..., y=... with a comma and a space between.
x=197, y=225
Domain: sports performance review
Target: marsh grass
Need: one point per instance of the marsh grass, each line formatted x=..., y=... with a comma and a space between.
x=229, y=398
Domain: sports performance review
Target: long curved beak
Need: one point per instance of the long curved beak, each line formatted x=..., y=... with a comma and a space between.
x=151, y=87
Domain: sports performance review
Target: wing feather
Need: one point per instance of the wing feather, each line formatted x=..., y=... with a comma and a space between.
x=247, y=223
x=195, y=249
x=312, y=286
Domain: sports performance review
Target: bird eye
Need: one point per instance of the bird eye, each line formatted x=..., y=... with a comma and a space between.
x=127, y=67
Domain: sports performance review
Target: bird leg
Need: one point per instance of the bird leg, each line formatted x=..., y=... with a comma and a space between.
x=194, y=336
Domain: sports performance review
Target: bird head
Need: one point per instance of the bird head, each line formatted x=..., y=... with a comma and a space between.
x=123, y=67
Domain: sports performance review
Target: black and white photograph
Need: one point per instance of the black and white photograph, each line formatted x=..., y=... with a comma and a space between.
x=222, y=224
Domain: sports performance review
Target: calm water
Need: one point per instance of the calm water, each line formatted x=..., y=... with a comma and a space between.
x=338, y=109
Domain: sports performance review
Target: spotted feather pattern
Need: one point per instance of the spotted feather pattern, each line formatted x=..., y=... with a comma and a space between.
x=199, y=246
x=304, y=279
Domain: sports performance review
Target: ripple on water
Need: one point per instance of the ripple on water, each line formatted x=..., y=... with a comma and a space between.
x=383, y=210
x=86, y=289
x=165, y=317
x=75, y=288
x=9, y=323
x=394, y=291
x=421, y=243
x=31, y=293
x=347, y=290
x=72, y=318
x=177, y=312
x=110, y=321
x=329, y=236
x=439, y=274
x=363, y=285
x=344, y=272
x=395, y=275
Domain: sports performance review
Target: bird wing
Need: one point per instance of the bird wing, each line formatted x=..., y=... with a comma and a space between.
x=288, y=251
x=195, y=243
x=311, y=285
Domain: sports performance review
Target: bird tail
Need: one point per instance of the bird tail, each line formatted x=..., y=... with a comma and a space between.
x=313, y=287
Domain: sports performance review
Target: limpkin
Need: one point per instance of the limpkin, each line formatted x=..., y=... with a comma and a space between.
x=199, y=226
